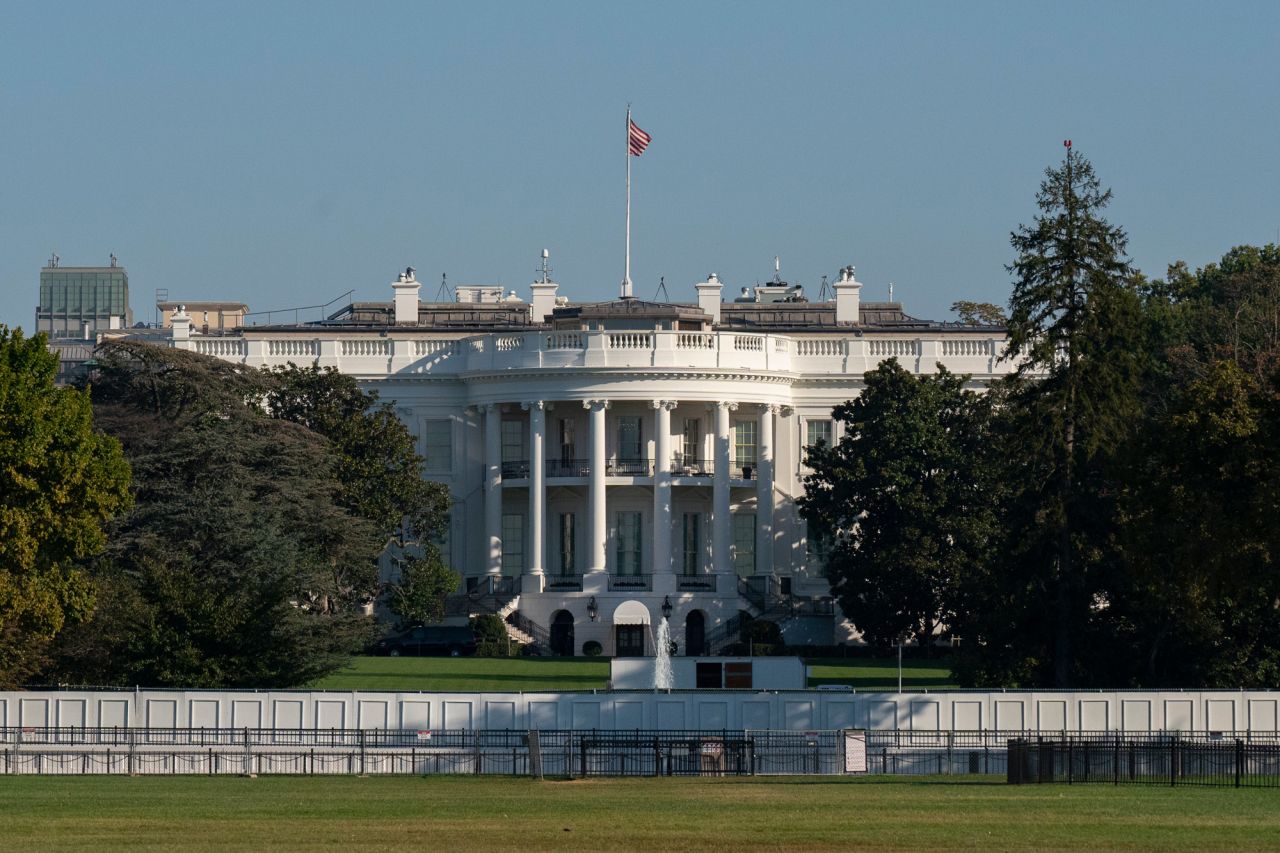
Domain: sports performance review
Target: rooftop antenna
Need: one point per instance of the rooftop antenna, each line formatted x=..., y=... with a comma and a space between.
x=115, y=262
x=777, y=270
x=444, y=289
x=890, y=291
x=546, y=269
x=662, y=290
x=824, y=291
x=53, y=260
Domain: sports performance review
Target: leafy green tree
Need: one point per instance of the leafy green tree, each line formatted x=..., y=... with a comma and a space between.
x=380, y=470
x=61, y=480
x=908, y=498
x=1075, y=330
x=239, y=564
x=418, y=594
x=979, y=313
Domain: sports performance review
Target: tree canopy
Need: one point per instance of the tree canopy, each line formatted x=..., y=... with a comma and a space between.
x=62, y=480
x=249, y=558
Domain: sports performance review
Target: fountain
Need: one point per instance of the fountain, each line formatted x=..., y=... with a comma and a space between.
x=663, y=679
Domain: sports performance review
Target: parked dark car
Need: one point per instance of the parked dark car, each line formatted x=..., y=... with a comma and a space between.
x=428, y=640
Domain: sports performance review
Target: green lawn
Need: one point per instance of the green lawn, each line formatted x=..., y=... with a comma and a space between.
x=492, y=813
x=531, y=674
x=470, y=674
x=881, y=673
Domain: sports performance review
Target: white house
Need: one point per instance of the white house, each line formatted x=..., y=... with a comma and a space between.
x=613, y=461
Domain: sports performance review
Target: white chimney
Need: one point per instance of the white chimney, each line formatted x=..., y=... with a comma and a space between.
x=709, y=296
x=848, y=297
x=406, y=289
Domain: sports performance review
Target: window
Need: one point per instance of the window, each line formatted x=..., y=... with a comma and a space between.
x=437, y=446
x=728, y=676
x=512, y=544
x=744, y=543
x=691, y=555
x=709, y=676
x=691, y=446
x=817, y=431
x=567, y=447
x=744, y=443
x=628, y=553
x=515, y=449
x=737, y=676
x=629, y=446
x=568, y=554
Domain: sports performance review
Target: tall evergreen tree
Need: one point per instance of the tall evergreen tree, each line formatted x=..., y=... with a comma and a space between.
x=1074, y=330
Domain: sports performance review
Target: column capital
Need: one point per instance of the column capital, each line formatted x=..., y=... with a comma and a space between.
x=726, y=404
x=786, y=411
x=529, y=405
x=664, y=404
x=594, y=405
x=489, y=407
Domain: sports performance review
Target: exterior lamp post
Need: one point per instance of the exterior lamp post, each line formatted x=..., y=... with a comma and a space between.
x=666, y=607
x=592, y=610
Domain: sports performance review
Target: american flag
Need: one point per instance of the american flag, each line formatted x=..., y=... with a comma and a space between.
x=637, y=140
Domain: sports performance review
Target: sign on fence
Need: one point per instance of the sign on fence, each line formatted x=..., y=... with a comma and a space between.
x=855, y=751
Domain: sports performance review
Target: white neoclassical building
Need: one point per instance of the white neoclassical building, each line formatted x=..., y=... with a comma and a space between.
x=612, y=462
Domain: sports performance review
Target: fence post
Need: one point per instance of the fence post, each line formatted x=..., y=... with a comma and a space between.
x=1070, y=761
x=1239, y=760
x=1173, y=762
x=1115, y=760
x=363, y=770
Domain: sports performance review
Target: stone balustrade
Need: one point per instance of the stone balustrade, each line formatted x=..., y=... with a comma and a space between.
x=373, y=354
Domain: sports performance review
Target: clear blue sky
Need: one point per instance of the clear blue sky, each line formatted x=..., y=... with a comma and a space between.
x=282, y=153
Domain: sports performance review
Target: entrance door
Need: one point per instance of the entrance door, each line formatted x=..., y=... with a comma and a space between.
x=562, y=634
x=695, y=634
x=629, y=641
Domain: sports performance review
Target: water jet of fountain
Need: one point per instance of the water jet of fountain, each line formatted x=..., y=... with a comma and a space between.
x=663, y=678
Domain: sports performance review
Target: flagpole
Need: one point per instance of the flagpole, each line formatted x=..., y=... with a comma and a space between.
x=626, y=272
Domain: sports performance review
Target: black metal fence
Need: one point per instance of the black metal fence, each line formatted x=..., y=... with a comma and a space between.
x=1164, y=759
x=1251, y=758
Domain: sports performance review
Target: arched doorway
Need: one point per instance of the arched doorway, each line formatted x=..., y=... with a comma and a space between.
x=630, y=627
x=562, y=633
x=695, y=633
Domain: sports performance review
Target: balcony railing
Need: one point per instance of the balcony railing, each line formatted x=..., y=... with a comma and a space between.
x=630, y=468
x=694, y=583
x=684, y=466
x=630, y=583
x=564, y=583
x=515, y=470
x=568, y=467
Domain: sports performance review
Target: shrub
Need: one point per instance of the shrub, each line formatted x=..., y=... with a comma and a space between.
x=592, y=649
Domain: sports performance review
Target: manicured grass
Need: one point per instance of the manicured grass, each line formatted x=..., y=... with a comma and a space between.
x=499, y=813
x=881, y=673
x=533, y=674
x=469, y=674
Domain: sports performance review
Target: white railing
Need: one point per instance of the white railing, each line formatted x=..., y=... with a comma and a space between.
x=695, y=340
x=508, y=343
x=892, y=347
x=443, y=348
x=365, y=347
x=966, y=347
x=564, y=340
x=630, y=340
x=588, y=349
x=290, y=348
x=221, y=347
x=820, y=346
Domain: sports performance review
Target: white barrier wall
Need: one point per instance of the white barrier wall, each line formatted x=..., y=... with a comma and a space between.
x=801, y=710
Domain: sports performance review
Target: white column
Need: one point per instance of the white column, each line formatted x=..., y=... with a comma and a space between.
x=493, y=487
x=596, y=531
x=764, y=493
x=721, y=531
x=537, y=486
x=662, y=487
